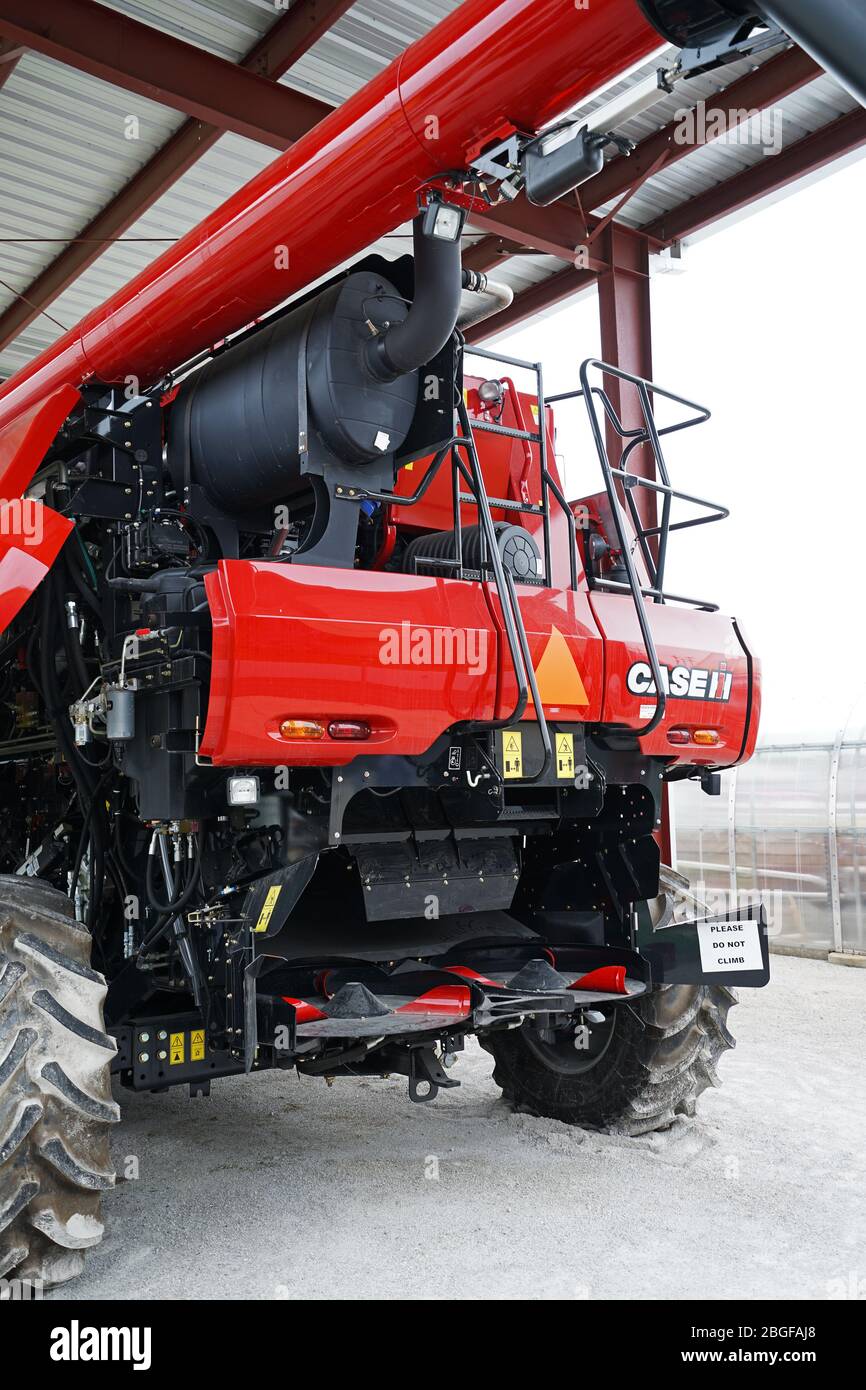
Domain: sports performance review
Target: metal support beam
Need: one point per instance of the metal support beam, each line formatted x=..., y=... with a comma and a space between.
x=155, y=65
x=794, y=162
x=558, y=230
x=274, y=54
x=490, y=252
x=626, y=342
x=10, y=52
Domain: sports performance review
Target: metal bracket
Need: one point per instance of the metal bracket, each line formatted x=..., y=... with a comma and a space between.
x=427, y=1077
x=728, y=49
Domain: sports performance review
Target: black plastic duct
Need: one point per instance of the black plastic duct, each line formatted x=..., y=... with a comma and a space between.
x=833, y=34
x=406, y=346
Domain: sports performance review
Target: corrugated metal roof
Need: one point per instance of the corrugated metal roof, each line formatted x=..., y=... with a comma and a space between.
x=65, y=146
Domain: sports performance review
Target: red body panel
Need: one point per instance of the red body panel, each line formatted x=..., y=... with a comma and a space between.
x=25, y=440
x=295, y=643
x=507, y=464
x=30, y=541
x=686, y=640
x=292, y=642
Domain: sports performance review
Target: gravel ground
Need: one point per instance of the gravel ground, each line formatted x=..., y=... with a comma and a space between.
x=283, y=1188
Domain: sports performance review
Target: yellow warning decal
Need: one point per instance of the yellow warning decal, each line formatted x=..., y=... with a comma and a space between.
x=176, y=1050
x=267, y=911
x=534, y=408
x=512, y=753
x=565, y=756
x=196, y=1045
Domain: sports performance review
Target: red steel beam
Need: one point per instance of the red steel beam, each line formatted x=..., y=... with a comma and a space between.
x=274, y=54
x=626, y=342
x=10, y=52
x=624, y=249
x=489, y=253
x=774, y=172
x=144, y=60
x=558, y=230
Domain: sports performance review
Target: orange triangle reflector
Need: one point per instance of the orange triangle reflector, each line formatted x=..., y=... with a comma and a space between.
x=559, y=681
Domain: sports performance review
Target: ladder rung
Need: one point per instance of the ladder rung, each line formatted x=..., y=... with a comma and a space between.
x=501, y=504
x=488, y=427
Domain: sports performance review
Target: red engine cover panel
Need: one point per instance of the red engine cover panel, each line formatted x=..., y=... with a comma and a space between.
x=31, y=538
x=408, y=654
x=712, y=683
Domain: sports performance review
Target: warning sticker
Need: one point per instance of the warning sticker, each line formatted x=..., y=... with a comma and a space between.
x=565, y=756
x=267, y=911
x=196, y=1045
x=730, y=946
x=176, y=1050
x=512, y=753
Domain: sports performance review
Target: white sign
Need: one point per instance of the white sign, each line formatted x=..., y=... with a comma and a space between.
x=730, y=946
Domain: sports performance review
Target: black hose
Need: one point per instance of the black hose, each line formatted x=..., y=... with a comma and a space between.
x=82, y=839
x=433, y=316
x=76, y=573
x=178, y=904
x=85, y=776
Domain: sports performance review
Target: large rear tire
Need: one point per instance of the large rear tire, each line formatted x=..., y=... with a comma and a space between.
x=647, y=1063
x=653, y=1060
x=55, y=1089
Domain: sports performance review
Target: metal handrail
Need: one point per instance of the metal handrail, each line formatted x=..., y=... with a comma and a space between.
x=633, y=439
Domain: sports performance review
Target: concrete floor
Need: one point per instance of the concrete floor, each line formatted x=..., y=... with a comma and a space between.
x=281, y=1188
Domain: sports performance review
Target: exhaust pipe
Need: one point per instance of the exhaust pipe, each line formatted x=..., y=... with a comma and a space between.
x=489, y=297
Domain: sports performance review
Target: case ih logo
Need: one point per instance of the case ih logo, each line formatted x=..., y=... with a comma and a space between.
x=681, y=682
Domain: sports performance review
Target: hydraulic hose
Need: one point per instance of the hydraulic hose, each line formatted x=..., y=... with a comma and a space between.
x=180, y=902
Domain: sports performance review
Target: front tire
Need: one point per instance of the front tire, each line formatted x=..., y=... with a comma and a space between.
x=55, y=1088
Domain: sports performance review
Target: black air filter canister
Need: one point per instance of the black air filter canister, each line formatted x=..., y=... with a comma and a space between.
x=235, y=424
x=516, y=546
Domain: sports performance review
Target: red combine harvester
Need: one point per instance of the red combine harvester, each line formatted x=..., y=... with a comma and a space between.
x=336, y=733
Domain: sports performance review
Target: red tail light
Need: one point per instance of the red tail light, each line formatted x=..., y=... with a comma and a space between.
x=349, y=729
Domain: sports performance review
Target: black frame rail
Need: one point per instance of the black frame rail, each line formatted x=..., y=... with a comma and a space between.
x=655, y=561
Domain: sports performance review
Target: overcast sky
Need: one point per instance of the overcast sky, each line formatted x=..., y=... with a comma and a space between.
x=766, y=327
